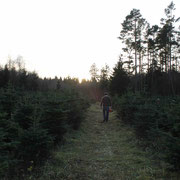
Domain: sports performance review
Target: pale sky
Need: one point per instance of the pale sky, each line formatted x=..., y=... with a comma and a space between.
x=65, y=37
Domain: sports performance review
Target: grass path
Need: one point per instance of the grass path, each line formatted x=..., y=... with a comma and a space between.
x=102, y=151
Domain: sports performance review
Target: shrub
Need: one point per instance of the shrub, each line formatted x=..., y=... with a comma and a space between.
x=35, y=144
x=31, y=123
x=155, y=122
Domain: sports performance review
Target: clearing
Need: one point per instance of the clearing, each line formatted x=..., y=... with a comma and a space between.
x=103, y=151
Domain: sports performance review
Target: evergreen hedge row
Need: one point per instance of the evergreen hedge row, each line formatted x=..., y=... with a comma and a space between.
x=156, y=121
x=31, y=123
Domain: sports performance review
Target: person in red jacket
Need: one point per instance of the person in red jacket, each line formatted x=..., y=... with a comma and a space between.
x=105, y=104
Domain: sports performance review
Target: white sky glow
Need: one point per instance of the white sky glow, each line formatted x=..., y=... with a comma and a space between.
x=65, y=37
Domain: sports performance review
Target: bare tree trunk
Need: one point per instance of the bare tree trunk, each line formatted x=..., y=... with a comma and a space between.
x=166, y=64
x=135, y=51
x=176, y=59
x=148, y=59
x=170, y=58
x=135, y=58
x=140, y=67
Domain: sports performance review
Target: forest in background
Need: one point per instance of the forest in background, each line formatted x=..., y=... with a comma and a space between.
x=35, y=113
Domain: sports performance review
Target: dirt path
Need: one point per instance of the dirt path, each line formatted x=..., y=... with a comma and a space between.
x=102, y=151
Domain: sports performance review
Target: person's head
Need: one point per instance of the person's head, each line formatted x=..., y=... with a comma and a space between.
x=105, y=93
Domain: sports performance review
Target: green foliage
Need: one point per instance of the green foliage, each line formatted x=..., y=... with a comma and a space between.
x=76, y=113
x=3, y=145
x=155, y=121
x=35, y=144
x=8, y=99
x=119, y=80
x=31, y=123
x=104, y=78
x=54, y=118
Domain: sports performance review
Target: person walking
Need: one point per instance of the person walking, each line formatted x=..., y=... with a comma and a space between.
x=105, y=104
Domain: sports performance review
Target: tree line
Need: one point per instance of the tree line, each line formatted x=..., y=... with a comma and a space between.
x=149, y=59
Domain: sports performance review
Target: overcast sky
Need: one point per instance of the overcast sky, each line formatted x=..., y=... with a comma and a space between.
x=65, y=37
